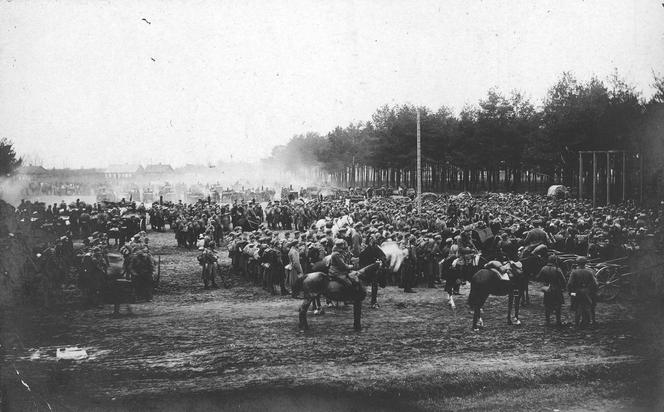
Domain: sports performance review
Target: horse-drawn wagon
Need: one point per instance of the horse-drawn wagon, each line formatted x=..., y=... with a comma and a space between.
x=614, y=276
x=104, y=194
x=194, y=194
x=148, y=195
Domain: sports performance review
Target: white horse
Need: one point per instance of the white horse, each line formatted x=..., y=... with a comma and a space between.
x=395, y=254
x=337, y=224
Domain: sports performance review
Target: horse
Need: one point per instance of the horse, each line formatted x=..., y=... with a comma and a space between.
x=394, y=255
x=273, y=271
x=91, y=278
x=457, y=274
x=487, y=282
x=321, y=265
x=52, y=275
x=141, y=267
x=157, y=221
x=532, y=261
x=317, y=283
x=370, y=254
x=337, y=223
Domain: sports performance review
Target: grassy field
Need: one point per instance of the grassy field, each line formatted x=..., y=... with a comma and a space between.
x=240, y=349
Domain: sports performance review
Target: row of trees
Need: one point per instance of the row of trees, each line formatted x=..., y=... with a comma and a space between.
x=494, y=143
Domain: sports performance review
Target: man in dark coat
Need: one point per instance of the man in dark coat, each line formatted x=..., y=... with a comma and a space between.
x=554, y=285
x=339, y=266
x=583, y=283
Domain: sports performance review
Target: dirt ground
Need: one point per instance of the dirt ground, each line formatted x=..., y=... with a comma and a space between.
x=240, y=349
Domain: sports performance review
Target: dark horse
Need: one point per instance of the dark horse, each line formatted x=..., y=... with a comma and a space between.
x=318, y=283
x=455, y=276
x=532, y=263
x=370, y=254
x=487, y=282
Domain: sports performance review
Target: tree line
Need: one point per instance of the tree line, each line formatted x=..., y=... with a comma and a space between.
x=502, y=142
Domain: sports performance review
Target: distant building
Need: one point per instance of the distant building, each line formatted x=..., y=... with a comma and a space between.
x=91, y=175
x=122, y=172
x=157, y=172
x=25, y=173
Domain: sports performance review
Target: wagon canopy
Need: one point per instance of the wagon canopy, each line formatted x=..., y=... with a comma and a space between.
x=428, y=196
x=557, y=190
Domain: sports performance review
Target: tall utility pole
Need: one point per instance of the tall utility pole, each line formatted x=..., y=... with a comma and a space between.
x=353, y=171
x=419, y=165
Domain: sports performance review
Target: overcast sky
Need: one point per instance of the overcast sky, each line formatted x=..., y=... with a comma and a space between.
x=88, y=83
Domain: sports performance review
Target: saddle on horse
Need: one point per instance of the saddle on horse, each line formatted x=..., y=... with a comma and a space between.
x=502, y=270
x=349, y=279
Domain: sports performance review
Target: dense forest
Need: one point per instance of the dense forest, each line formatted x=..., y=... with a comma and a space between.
x=504, y=142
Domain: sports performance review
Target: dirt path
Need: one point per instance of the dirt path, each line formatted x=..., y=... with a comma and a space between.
x=228, y=341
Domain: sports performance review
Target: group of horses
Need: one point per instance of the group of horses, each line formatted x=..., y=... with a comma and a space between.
x=280, y=217
x=117, y=281
x=484, y=281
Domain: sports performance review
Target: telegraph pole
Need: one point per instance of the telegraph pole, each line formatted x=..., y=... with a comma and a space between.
x=419, y=165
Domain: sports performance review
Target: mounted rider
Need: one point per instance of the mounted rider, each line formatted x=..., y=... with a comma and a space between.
x=467, y=253
x=136, y=244
x=535, y=237
x=340, y=265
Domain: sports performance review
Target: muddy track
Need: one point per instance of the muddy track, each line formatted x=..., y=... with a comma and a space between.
x=229, y=340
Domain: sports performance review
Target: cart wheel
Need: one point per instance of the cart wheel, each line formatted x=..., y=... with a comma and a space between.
x=608, y=292
x=605, y=274
x=607, y=277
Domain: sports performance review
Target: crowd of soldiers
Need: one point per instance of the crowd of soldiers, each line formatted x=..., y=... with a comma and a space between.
x=119, y=220
x=276, y=242
x=449, y=228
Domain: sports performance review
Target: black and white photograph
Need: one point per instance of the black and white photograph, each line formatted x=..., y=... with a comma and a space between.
x=352, y=205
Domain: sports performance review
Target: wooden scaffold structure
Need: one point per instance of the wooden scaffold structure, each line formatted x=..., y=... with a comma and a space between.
x=620, y=171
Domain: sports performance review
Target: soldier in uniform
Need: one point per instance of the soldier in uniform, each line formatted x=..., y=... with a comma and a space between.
x=296, y=270
x=272, y=257
x=409, y=265
x=555, y=284
x=466, y=253
x=582, y=280
x=339, y=264
x=208, y=256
